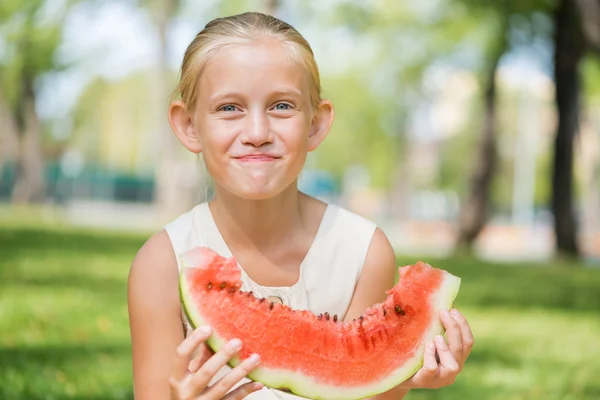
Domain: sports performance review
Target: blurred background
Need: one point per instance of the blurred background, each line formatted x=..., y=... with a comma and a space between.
x=469, y=130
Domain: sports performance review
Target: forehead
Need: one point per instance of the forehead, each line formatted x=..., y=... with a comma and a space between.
x=257, y=67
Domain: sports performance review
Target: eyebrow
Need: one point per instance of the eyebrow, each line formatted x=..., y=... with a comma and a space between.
x=293, y=92
x=280, y=92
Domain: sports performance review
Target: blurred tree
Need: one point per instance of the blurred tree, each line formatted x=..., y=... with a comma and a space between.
x=30, y=32
x=499, y=14
x=8, y=136
x=170, y=196
x=590, y=17
x=568, y=54
x=474, y=211
x=404, y=41
x=167, y=196
x=577, y=30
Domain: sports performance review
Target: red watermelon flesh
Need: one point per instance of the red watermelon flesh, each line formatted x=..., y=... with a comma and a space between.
x=319, y=356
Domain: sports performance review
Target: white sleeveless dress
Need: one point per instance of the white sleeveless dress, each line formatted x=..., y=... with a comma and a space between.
x=328, y=273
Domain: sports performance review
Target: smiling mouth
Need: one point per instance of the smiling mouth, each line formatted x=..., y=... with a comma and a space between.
x=257, y=158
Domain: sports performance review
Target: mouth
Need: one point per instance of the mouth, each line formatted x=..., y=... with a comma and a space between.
x=257, y=158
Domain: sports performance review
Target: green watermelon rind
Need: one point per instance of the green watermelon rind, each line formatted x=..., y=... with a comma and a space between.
x=305, y=386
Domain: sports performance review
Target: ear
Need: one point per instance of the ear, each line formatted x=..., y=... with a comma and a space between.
x=182, y=125
x=321, y=124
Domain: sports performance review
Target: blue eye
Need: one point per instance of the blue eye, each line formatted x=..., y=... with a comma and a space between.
x=228, y=107
x=282, y=106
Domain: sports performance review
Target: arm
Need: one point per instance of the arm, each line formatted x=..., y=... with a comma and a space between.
x=154, y=317
x=378, y=275
x=164, y=366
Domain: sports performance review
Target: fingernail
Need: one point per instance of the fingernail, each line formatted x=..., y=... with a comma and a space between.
x=439, y=339
x=430, y=345
x=258, y=385
x=446, y=313
x=235, y=344
x=254, y=358
x=204, y=330
x=454, y=312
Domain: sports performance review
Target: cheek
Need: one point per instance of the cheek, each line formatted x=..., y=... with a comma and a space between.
x=294, y=133
x=217, y=137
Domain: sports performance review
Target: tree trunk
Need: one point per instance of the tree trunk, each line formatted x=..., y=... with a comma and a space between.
x=474, y=213
x=9, y=142
x=569, y=50
x=589, y=12
x=170, y=197
x=29, y=184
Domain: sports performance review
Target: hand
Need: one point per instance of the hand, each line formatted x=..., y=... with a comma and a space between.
x=190, y=378
x=452, y=356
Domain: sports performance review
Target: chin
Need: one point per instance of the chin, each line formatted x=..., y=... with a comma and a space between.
x=259, y=192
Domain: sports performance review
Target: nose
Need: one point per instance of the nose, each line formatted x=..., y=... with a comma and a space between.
x=257, y=131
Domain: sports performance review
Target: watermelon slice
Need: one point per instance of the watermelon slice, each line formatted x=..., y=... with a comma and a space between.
x=319, y=356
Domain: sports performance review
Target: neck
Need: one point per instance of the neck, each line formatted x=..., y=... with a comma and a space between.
x=257, y=222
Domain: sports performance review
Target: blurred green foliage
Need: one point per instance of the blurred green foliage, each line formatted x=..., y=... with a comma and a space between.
x=31, y=33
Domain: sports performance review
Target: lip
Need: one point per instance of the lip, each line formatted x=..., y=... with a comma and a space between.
x=257, y=158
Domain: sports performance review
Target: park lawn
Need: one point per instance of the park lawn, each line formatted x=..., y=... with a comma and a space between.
x=64, y=331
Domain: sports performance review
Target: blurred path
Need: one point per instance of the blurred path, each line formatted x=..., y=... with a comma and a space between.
x=500, y=241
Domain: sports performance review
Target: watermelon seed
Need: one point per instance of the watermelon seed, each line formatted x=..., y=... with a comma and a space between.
x=361, y=317
x=249, y=293
x=271, y=306
x=223, y=285
x=209, y=285
x=384, y=312
x=327, y=316
x=261, y=300
x=335, y=318
x=399, y=310
x=320, y=317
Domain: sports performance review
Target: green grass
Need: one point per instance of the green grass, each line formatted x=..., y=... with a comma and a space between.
x=64, y=330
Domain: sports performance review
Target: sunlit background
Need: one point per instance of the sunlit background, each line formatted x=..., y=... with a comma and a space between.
x=447, y=134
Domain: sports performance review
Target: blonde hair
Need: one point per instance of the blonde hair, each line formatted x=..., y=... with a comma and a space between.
x=243, y=29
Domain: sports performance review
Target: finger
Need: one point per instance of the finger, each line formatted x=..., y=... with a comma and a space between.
x=225, y=384
x=453, y=334
x=210, y=368
x=449, y=366
x=186, y=349
x=430, y=365
x=243, y=391
x=466, y=333
x=428, y=371
x=204, y=353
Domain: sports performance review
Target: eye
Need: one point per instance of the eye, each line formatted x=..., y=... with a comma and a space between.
x=282, y=106
x=228, y=107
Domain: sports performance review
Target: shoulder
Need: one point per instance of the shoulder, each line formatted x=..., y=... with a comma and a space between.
x=352, y=219
x=153, y=267
x=156, y=265
x=368, y=245
x=155, y=251
x=381, y=257
x=377, y=275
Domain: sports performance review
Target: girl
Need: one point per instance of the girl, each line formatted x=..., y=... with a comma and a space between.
x=250, y=103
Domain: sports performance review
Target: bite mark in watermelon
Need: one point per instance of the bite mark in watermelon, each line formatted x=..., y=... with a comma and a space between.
x=318, y=356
